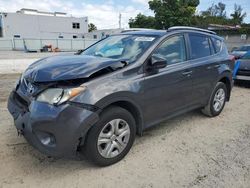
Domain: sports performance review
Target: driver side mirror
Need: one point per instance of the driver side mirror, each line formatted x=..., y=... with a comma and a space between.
x=158, y=63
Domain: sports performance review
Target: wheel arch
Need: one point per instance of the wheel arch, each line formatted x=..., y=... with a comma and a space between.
x=132, y=108
x=228, y=82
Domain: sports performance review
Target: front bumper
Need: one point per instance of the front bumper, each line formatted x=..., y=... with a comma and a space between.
x=53, y=130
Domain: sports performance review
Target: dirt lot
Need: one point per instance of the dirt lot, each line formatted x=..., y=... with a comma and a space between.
x=188, y=151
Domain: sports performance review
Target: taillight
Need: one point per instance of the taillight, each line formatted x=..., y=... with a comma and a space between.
x=232, y=58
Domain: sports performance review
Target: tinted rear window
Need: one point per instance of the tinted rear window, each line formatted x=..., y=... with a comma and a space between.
x=199, y=46
x=217, y=44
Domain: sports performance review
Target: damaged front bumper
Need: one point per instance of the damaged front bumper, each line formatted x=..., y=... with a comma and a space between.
x=53, y=130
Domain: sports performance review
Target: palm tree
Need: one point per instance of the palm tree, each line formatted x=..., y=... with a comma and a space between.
x=238, y=16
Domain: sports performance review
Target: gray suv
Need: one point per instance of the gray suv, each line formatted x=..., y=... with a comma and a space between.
x=96, y=102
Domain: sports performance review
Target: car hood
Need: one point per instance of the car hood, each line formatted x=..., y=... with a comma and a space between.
x=60, y=68
x=244, y=64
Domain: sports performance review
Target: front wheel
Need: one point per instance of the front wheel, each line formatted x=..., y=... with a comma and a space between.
x=111, y=138
x=217, y=101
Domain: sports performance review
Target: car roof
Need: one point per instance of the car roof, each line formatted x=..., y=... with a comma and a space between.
x=147, y=32
x=160, y=33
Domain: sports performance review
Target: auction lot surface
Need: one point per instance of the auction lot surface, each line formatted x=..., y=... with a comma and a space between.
x=188, y=151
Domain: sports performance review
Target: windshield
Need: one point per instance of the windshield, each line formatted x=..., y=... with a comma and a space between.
x=243, y=48
x=122, y=47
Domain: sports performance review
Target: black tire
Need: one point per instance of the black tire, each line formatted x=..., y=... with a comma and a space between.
x=91, y=145
x=209, y=109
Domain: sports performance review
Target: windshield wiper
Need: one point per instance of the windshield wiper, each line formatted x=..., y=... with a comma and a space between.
x=124, y=62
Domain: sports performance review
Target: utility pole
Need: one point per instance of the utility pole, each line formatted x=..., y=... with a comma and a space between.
x=120, y=20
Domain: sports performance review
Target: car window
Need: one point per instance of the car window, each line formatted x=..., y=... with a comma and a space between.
x=111, y=51
x=173, y=50
x=217, y=44
x=199, y=46
x=121, y=47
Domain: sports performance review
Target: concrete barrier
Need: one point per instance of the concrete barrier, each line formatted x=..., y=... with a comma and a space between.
x=11, y=66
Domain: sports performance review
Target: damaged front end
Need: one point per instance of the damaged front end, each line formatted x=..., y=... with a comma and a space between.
x=45, y=113
x=53, y=129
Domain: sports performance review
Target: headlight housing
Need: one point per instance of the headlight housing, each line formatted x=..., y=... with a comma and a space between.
x=57, y=96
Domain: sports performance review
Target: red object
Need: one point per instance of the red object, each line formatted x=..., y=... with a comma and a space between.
x=232, y=58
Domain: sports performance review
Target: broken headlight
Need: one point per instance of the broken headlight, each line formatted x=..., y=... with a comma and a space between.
x=57, y=96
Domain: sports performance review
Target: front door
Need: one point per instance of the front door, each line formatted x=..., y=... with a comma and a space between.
x=168, y=90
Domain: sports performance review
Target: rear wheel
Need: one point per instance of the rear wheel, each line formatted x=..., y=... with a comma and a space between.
x=217, y=101
x=111, y=138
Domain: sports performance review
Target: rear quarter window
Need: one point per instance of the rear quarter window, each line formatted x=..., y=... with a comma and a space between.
x=217, y=44
x=199, y=46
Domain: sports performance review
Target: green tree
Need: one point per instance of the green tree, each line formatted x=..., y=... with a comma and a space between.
x=215, y=14
x=92, y=27
x=221, y=12
x=238, y=15
x=173, y=12
x=218, y=10
x=142, y=21
x=167, y=13
x=182, y=12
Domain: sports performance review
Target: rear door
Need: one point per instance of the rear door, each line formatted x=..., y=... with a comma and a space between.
x=206, y=63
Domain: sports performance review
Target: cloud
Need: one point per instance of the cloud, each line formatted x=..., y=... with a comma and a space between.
x=143, y=2
x=104, y=16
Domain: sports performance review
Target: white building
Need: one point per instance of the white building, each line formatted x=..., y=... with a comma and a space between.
x=29, y=23
x=100, y=34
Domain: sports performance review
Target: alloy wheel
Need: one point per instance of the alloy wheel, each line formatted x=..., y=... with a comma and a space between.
x=113, y=138
x=219, y=100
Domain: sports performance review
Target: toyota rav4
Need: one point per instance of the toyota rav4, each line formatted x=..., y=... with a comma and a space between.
x=97, y=101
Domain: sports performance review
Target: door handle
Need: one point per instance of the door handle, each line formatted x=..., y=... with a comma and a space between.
x=209, y=67
x=217, y=66
x=213, y=67
x=187, y=73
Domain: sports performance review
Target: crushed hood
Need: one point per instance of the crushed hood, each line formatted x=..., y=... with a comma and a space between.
x=60, y=68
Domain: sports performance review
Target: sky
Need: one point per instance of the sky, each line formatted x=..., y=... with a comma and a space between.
x=105, y=13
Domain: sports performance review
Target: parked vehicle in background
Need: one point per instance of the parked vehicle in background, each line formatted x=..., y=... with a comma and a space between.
x=240, y=51
x=242, y=72
x=97, y=101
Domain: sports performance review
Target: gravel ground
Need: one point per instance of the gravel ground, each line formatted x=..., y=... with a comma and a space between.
x=188, y=151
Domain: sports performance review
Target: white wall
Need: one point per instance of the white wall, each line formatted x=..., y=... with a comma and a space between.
x=38, y=26
x=35, y=44
x=102, y=33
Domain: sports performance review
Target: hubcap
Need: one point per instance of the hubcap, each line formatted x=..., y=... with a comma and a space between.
x=113, y=138
x=219, y=99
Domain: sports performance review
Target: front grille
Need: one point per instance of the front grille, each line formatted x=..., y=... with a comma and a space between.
x=25, y=83
x=243, y=72
x=29, y=88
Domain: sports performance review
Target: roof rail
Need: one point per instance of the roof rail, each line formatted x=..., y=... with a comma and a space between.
x=136, y=29
x=191, y=28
